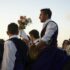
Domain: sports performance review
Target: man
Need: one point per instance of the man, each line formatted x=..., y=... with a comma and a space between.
x=50, y=57
x=50, y=29
x=15, y=50
x=34, y=36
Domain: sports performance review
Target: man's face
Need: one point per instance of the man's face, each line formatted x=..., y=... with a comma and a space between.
x=31, y=37
x=43, y=17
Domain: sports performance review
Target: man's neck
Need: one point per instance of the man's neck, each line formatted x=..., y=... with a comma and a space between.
x=11, y=36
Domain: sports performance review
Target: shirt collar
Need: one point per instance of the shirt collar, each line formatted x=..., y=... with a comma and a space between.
x=14, y=36
x=47, y=21
x=36, y=40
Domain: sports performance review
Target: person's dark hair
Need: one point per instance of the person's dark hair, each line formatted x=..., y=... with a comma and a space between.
x=13, y=28
x=69, y=40
x=2, y=41
x=34, y=33
x=47, y=11
x=65, y=42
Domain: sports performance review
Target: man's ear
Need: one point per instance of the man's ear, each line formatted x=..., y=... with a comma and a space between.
x=47, y=16
x=17, y=32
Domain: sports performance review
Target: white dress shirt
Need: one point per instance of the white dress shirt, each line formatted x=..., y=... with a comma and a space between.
x=51, y=28
x=23, y=34
x=36, y=41
x=9, y=55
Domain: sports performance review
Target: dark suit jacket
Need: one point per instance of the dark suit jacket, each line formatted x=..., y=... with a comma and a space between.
x=51, y=58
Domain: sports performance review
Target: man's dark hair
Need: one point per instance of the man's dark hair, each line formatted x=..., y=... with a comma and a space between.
x=47, y=11
x=34, y=33
x=13, y=28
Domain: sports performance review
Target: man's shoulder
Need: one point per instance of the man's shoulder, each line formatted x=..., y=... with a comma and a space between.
x=8, y=42
x=18, y=41
x=12, y=40
x=52, y=22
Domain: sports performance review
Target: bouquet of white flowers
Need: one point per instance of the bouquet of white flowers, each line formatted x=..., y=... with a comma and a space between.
x=23, y=22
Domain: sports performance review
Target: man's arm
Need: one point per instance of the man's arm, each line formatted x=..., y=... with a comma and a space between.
x=51, y=28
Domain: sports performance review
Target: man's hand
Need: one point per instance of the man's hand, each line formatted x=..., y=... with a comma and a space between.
x=26, y=41
x=41, y=44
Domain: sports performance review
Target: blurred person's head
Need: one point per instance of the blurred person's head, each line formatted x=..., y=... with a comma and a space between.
x=65, y=44
x=2, y=41
x=12, y=29
x=69, y=40
x=45, y=14
x=34, y=34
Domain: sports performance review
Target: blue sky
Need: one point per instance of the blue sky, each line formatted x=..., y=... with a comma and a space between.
x=10, y=10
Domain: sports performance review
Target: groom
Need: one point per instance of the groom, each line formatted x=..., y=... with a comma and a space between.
x=50, y=57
